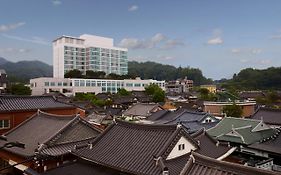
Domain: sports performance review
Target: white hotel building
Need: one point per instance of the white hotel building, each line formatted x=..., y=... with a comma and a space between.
x=70, y=86
x=88, y=52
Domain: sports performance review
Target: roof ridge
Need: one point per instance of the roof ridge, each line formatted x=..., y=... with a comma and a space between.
x=207, y=161
x=59, y=116
x=61, y=130
x=147, y=126
x=247, y=119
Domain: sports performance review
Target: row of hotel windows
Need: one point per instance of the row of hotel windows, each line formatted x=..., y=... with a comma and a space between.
x=96, y=49
x=91, y=83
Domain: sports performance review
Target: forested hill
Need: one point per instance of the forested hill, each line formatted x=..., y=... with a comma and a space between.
x=23, y=71
x=256, y=79
x=159, y=71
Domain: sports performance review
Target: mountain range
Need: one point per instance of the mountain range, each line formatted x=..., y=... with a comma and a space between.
x=23, y=71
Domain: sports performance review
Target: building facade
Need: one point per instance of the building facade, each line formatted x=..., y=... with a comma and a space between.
x=71, y=86
x=3, y=81
x=88, y=52
x=179, y=86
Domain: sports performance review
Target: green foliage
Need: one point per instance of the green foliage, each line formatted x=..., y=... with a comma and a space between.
x=206, y=95
x=269, y=100
x=95, y=75
x=84, y=97
x=152, y=70
x=123, y=92
x=19, y=89
x=233, y=110
x=73, y=74
x=255, y=79
x=158, y=95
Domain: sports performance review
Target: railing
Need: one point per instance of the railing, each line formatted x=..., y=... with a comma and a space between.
x=276, y=168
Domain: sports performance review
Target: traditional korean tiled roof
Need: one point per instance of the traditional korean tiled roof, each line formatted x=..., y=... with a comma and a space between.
x=192, y=120
x=251, y=94
x=25, y=103
x=268, y=115
x=141, y=109
x=78, y=167
x=45, y=130
x=136, y=148
x=132, y=148
x=203, y=165
x=242, y=131
x=271, y=145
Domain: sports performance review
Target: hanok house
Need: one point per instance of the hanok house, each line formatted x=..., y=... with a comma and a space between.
x=16, y=109
x=141, y=110
x=191, y=120
x=203, y=165
x=269, y=116
x=130, y=148
x=48, y=138
x=242, y=133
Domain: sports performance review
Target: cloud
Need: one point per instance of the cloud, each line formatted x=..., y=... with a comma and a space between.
x=6, y=28
x=265, y=62
x=158, y=41
x=235, y=50
x=215, y=41
x=172, y=43
x=249, y=51
x=164, y=57
x=56, y=2
x=256, y=51
x=14, y=50
x=133, y=8
x=36, y=40
x=244, y=60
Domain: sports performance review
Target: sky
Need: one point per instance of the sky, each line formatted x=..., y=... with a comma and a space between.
x=220, y=37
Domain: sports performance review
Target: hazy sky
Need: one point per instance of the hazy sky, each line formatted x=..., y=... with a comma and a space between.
x=218, y=36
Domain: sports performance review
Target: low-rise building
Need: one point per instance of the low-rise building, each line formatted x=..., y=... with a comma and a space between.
x=49, y=138
x=70, y=86
x=179, y=86
x=3, y=81
x=211, y=87
x=216, y=108
x=270, y=116
x=16, y=109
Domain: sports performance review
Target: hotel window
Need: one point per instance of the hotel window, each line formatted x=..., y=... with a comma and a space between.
x=99, y=83
x=4, y=124
x=93, y=83
x=59, y=83
x=181, y=147
x=76, y=83
x=88, y=83
x=47, y=83
x=82, y=82
x=137, y=85
x=53, y=84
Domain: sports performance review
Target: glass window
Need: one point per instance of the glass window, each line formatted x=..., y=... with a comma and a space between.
x=64, y=83
x=82, y=82
x=88, y=83
x=59, y=83
x=4, y=124
x=53, y=84
x=93, y=83
x=76, y=83
x=47, y=83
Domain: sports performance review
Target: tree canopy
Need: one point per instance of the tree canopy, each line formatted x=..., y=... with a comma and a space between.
x=19, y=89
x=233, y=110
x=158, y=95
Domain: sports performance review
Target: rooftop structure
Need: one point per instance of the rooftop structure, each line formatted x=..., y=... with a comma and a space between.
x=88, y=52
x=270, y=116
x=200, y=164
x=241, y=131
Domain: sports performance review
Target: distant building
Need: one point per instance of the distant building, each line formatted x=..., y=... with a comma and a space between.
x=216, y=108
x=71, y=86
x=16, y=109
x=212, y=88
x=179, y=86
x=3, y=81
x=88, y=52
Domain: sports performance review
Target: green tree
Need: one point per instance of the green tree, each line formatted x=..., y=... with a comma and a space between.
x=19, y=89
x=123, y=92
x=95, y=74
x=233, y=110
x=159, y=96
x=73, y=74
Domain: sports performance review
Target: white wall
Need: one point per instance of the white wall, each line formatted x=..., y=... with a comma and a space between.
x=176, y=152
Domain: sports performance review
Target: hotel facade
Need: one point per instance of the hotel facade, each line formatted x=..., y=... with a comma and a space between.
x=71, y=86
x=88, y=52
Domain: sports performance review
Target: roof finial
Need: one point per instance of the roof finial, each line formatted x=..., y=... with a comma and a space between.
x=179, y=125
